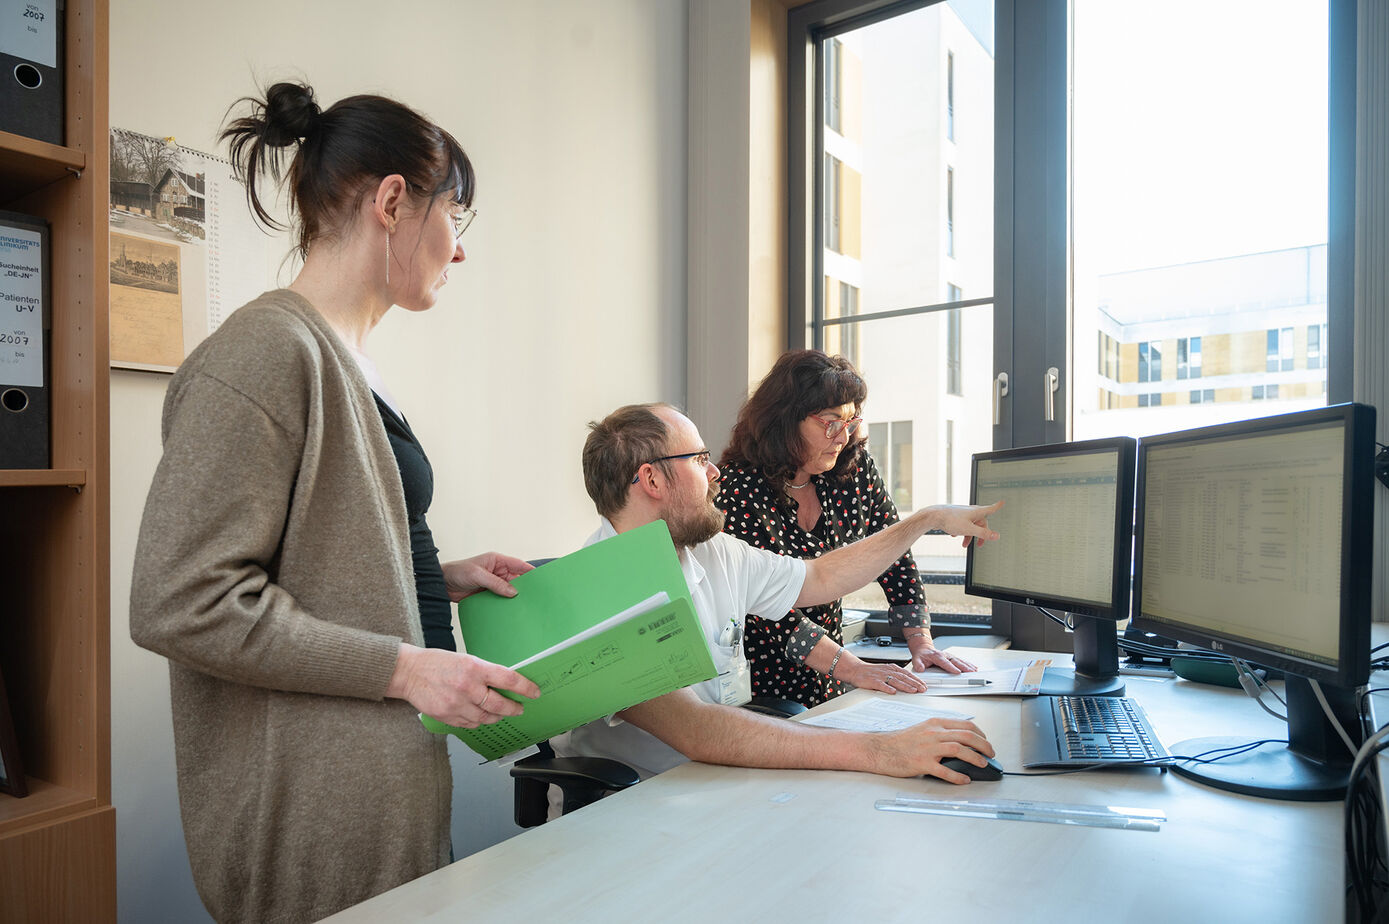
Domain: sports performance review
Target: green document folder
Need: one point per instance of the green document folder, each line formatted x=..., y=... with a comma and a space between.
x=645, y=656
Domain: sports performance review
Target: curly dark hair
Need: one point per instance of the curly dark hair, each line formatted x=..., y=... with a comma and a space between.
x=767, y=435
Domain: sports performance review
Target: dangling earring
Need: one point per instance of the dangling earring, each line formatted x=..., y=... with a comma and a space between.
x=388, y=259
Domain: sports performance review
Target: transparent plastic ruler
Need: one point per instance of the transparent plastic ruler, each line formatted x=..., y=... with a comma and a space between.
x=1056, y=813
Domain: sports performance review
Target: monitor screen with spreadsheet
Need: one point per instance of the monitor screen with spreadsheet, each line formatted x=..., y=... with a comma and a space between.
x=1066, y=523
x=1066, y=544
x=1253, y=540
x=1246, y=540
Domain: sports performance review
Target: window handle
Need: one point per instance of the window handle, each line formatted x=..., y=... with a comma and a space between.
x=1000, y=390
x=1050, y=382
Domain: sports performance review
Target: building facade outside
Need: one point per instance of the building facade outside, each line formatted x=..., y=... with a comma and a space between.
x=1242, y=330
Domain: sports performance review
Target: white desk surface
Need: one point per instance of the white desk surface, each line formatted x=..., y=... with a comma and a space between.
x=706, y=843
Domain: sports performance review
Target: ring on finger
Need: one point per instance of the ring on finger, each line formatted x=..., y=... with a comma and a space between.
x=483, y=705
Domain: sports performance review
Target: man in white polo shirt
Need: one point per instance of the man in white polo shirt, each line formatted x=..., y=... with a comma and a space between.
x=647, y=462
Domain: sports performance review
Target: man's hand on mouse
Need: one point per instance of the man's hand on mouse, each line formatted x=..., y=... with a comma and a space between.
x=973, y=771
x=919, y=749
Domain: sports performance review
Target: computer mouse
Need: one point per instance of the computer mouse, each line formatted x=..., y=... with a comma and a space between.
x=989, y=772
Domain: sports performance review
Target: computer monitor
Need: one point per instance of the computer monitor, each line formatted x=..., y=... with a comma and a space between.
x=1067, y=545
x=1253, y=539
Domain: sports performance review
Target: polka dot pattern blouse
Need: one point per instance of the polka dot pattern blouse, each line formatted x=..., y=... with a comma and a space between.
x=762, y=515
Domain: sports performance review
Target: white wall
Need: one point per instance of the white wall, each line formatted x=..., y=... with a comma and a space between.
x=572, y=300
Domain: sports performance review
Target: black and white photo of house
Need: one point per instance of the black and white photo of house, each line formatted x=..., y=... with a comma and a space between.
x=152, y=193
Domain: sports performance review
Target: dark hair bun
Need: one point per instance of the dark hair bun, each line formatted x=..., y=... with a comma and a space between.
x=334, y=153
x=290, y=114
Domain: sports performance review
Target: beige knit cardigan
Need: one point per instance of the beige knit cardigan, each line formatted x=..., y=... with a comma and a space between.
x=273, y=570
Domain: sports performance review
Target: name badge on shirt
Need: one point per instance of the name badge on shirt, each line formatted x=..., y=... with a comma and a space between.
x=735, y=684
x=735, y=680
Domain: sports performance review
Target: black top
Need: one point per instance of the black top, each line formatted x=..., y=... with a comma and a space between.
x=417, y=478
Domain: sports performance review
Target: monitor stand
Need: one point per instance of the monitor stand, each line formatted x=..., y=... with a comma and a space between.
x=1097, y=663
x=1313, y=765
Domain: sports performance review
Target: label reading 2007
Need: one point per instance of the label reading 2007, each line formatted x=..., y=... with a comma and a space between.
x=29, y=31
x=21, y=307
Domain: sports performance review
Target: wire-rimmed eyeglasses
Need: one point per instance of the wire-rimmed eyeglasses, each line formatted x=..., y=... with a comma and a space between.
x=461, y=219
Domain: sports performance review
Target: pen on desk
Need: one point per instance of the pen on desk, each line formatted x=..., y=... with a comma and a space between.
x=957, y=682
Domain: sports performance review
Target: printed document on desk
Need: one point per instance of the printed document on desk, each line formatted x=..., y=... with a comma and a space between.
x=883, y=714
x=1006, y=676
x=609, y=626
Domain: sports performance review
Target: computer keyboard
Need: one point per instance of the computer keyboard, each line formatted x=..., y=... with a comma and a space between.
x=1077, y=731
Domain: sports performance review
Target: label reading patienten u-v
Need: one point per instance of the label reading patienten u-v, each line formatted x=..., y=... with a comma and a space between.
x=21, y=307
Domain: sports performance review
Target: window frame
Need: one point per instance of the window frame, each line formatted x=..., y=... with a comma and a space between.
x=949, y=95
x=834, y=86
x=949, y=460
x=954, y=344
x=950, y=211
x=833, y=187
x=848, y=308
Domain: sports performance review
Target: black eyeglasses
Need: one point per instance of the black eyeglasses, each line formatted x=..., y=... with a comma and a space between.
x=701, y=457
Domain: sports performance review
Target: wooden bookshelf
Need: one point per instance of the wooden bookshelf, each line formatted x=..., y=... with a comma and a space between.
x=58, y=844
x=38, y=477
x=27, y=165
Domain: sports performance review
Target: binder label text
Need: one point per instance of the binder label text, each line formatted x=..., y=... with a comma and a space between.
x=21, y=306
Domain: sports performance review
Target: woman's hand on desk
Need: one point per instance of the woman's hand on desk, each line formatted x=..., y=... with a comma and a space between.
x=886, y=678
x=925, y=654
x=920, y=749
x=458, y=689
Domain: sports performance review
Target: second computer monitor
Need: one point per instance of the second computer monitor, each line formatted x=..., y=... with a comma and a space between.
x=1067, y=543
x=1254, y=539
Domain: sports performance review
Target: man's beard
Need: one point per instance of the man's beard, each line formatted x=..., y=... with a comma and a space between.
x=688, y=529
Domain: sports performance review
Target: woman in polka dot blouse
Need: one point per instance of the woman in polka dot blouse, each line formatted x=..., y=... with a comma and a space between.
x=798, y=480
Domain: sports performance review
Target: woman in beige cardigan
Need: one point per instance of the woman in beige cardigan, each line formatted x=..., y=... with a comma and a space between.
x=274, y=566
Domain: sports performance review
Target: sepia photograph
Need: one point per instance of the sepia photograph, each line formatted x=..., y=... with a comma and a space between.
x=146, y=302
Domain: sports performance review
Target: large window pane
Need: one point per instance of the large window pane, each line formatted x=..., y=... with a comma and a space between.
x=921, y=435
x=906, y=209
x=892, y=174
x=1200, y=197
